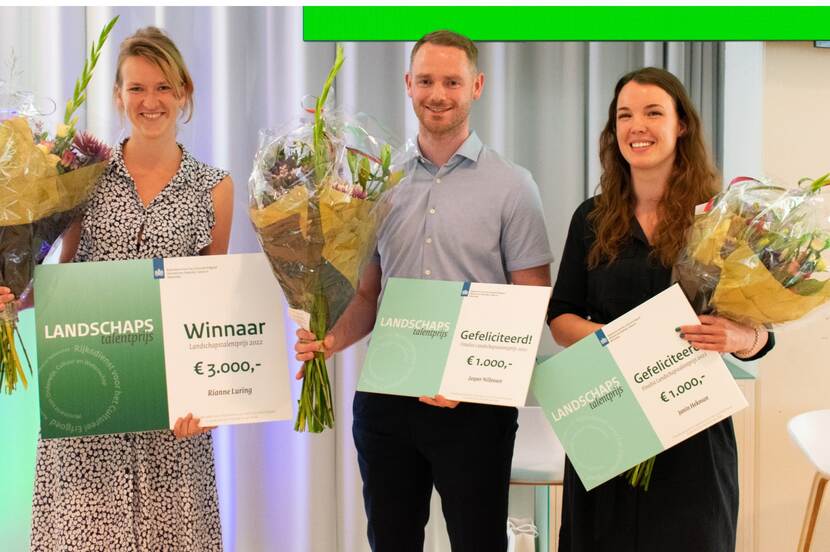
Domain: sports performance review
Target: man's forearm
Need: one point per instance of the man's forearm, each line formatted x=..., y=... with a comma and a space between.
x=536, y=276
x=355, y=323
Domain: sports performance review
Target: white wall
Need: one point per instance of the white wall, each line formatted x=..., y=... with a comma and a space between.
x=795, y=377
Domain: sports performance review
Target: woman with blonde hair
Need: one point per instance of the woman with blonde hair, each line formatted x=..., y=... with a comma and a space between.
x=620, y=248
x=153, y=490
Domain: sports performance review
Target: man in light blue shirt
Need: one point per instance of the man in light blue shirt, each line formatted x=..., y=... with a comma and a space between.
x=464, y=213
x=477, y=217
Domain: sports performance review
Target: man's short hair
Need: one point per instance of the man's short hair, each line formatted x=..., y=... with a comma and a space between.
x=448, y=38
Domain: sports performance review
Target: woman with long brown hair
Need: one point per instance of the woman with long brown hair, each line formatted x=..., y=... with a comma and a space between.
x=620, y=248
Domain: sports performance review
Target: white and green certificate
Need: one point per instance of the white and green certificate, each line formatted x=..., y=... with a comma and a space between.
x=467, y=341
x=128, y=346
x=633, y=389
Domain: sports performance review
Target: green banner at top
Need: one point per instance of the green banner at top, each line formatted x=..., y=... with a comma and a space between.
x=530, y=23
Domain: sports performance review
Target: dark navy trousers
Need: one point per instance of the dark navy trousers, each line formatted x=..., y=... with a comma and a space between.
x=404, y=447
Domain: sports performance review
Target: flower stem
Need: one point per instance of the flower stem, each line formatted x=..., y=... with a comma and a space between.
x=11, y=371
x=315, y=410
x=640, y=475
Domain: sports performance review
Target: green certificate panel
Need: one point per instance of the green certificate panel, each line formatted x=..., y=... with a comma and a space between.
x=594, y=413
x=411, y=338
x=99, y=333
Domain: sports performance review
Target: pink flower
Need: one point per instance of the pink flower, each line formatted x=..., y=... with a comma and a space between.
x=89, y=149
x=353, y=190
x=69, y=160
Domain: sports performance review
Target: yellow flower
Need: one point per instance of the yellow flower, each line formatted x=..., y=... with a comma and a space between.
x=44, y=148
x=62, y=131
x=820, y=266
x=817, y=244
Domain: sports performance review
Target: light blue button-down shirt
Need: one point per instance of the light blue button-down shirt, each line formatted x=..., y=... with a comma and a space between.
x=477, y=218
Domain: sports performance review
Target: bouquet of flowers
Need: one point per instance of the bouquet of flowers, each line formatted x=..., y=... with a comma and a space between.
x=318, y=193
x=43, y=182
x=759, y=253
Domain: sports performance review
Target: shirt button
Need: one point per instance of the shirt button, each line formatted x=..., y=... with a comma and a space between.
x=427, y=272
x=432, y=211
x=429, y=241
x=437, y=180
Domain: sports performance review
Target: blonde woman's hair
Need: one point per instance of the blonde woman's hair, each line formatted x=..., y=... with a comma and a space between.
x=152, y=44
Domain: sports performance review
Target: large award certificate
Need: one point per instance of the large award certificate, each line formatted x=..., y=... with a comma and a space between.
x=128, y=346
x=466, y=341
x=633, y=389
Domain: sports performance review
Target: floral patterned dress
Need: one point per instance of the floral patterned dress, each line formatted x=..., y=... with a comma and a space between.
x=141, y=491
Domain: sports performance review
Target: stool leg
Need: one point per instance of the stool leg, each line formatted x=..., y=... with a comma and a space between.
x=555, y=515
x=811, y=514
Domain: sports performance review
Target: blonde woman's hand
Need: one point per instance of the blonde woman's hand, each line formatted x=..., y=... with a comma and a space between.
x=189, y=427
x=6, y=296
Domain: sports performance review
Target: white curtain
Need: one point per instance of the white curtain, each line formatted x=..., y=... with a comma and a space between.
x=543, y=107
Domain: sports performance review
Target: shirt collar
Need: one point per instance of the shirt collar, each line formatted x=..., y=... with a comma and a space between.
x=470, y=149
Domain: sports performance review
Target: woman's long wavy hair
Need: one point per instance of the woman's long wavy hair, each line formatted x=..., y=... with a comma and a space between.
x=693, y=180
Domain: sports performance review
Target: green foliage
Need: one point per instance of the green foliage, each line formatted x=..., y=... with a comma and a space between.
x=79, y=93
x=321, y=146
x=808, y=287
x=315, y=409
x=818, y=183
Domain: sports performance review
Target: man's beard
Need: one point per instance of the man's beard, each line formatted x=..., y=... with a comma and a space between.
x=445, y=126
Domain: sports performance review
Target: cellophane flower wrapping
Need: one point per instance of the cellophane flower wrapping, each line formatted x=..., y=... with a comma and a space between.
x=40, y=194
x=756, y=254
x=759, y=253
x=316, y=203
x=44, y=181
